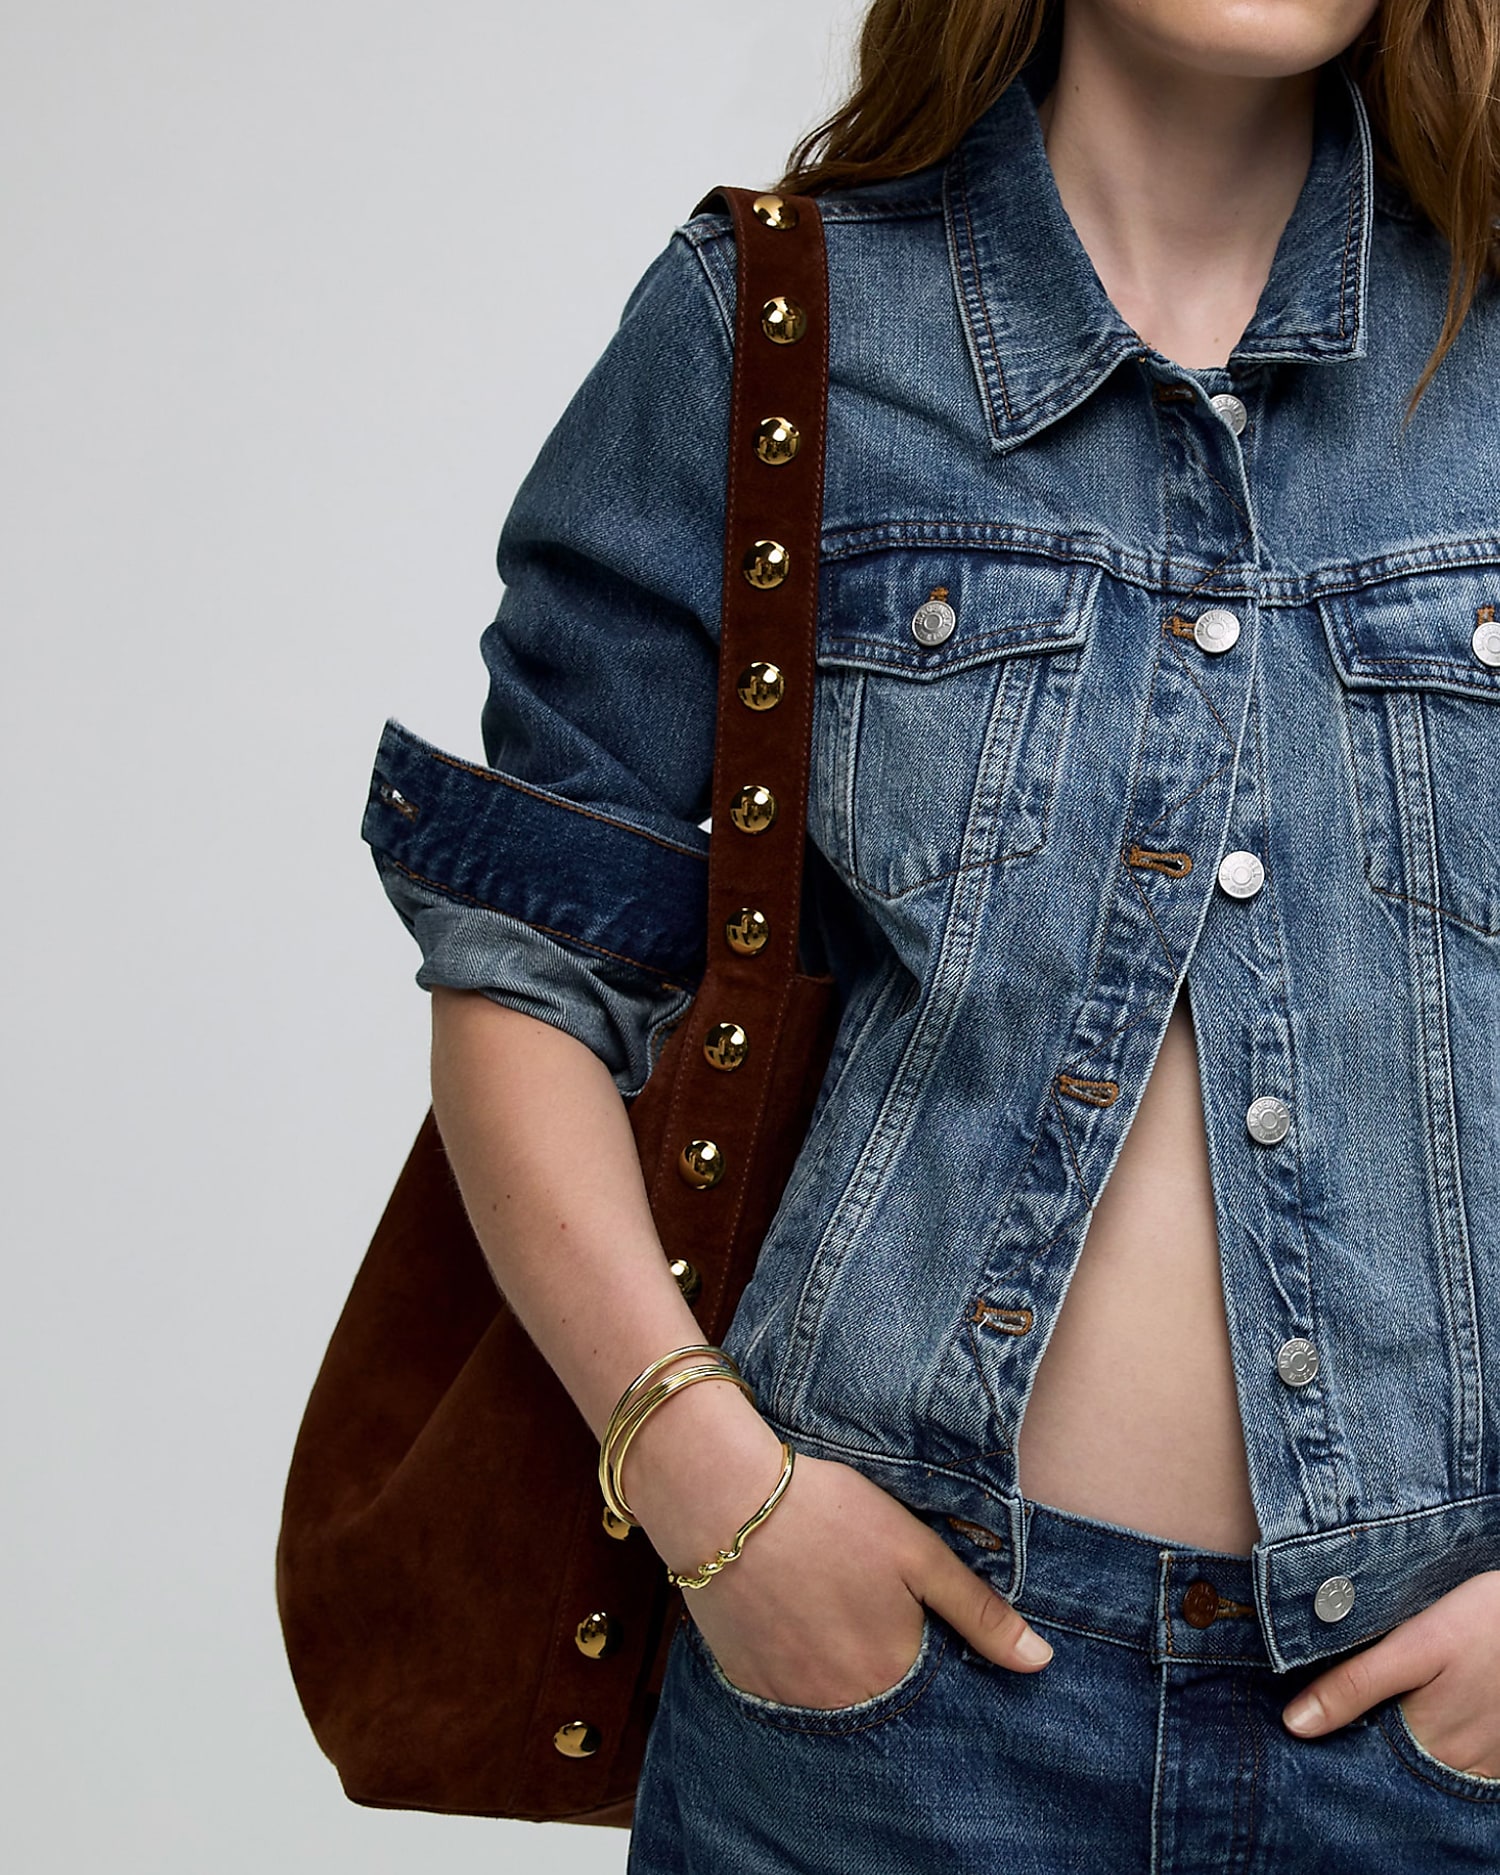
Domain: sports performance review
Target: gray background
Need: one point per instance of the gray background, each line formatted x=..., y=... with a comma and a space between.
x=293, y=293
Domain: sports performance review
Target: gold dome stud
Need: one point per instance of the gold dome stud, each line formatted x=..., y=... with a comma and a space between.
x=782, y=320
x=766, y=565
x=726, y=1046
x=774, y=211
x=577, y=1739
x=701, y=1164
x=760, y=685
x=616, y=1526
x=752, y=808
x=597, y=1636
x=777, y=440
x=686, y=1277
x=748, y=931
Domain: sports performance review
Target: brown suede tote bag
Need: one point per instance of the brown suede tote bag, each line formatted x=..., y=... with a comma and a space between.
x=466, y=1631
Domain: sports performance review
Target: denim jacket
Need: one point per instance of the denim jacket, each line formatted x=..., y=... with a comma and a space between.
x=1212, y=688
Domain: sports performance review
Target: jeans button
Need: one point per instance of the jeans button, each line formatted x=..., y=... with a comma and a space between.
x=1200, y=1604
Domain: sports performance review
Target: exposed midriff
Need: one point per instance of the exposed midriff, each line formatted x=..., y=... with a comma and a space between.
x=1133, y=1415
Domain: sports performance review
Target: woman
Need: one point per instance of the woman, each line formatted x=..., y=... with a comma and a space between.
x=1156, y=743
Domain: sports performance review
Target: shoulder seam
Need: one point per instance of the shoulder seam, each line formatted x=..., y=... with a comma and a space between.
x=696, y=243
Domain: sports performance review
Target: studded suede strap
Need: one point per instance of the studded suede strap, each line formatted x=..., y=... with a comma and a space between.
x=721, y=1082
x=722, y=1117
x=772, y=531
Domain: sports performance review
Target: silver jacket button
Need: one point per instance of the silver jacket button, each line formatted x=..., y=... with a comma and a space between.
x=1230, y=409
x=1486, y=642
x=1216, y=629
x=1268, y=1119
x=1241, y=874
x=933, y=622
x=1334, y=1598
x=1296, y=1361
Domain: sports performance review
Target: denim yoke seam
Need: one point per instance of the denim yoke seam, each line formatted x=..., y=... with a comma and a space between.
x=1154, y=574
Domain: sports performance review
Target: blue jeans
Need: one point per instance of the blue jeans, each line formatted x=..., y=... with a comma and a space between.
x=1151, y=1742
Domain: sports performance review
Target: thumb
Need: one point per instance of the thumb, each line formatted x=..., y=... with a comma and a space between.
x=986, y=1620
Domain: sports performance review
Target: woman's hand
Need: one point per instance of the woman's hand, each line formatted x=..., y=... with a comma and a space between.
x=1445, y=1662
x=823, y=1607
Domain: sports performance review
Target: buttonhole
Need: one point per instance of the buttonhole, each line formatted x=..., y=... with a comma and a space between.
x=1091, y=1093
x=1008, y=1321
x=393, y=797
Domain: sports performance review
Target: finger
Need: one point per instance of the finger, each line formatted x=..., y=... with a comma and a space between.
x=1393, y=1665
x=986, y=1620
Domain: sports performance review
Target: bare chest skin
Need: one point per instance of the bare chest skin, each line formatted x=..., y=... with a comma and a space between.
x=1133, y=1416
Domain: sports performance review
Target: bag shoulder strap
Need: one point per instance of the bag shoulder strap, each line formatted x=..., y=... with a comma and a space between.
x=772, y=533
x=716, y=1122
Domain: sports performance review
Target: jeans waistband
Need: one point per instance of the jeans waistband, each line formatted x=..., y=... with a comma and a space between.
x=1171, y=1600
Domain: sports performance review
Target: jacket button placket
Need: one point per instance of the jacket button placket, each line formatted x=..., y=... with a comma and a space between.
x=1173, y=815
x=1256, y=1116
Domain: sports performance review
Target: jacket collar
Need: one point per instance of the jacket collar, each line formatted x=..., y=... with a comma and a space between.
x=1042, y=331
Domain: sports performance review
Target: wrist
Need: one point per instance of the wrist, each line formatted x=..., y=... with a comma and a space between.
x=698, y=1467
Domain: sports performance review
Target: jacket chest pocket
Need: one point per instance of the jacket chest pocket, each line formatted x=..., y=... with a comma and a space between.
x=945, y=681
x=1419, y=663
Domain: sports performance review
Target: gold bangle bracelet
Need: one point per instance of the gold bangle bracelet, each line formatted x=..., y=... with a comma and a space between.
x=623, y=1405
x=695, y=1347
x=612, y=1452
x=625, y=1401
x=725, y=1556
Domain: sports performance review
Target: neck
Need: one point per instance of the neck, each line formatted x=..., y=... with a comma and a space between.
x=1177, y=181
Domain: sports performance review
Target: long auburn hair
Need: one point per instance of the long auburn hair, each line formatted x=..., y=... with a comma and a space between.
x=1428, y=70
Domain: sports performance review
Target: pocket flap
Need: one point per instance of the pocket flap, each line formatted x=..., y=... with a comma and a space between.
x=1417, y=632
x=1003, y=604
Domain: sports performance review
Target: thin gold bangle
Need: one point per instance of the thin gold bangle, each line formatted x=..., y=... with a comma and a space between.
x=695, y=1347
x=624, y=1403
x=725, y=1556
x=612, y=1452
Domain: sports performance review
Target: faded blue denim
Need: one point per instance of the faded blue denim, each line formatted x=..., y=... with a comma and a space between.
x=1016, y=836
x=1146, y=1743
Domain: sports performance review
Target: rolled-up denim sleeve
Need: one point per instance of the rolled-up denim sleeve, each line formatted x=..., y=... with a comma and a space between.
x=566, y=874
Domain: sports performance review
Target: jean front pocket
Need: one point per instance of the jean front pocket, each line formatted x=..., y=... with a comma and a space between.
x=828, y=1720
x=1417, y=662
x=945, y=680
x=1417, y=1759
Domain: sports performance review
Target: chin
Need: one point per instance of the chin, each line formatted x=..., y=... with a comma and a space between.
x=1239, y=38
